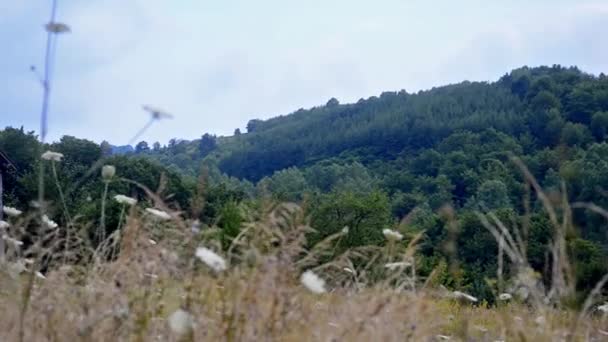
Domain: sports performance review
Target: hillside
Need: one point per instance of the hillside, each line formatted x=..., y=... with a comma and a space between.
x=522, y=152
x=403, y=155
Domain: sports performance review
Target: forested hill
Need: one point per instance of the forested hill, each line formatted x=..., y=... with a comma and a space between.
x=529, y=109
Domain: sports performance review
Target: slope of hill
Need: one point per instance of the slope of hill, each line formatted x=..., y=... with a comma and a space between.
x=373, y=163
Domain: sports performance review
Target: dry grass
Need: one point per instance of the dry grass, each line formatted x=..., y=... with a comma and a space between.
x=259, y=297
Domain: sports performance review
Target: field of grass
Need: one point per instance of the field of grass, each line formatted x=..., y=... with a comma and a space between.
x=162, y=289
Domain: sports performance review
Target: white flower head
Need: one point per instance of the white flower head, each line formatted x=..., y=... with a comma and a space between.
x=48, y=222
x=603, y=308
x=57, y=28
x=181, y=322
x=4, y=224
x=540, y=320
x=313, y=282
x=122, y=199
x=108, y=172
x=10, y=211
x=505, y=296
x=159, y=214
x=211, y=259
x=157, y=114
x=392, y=235
x=397, y=265
x=466, y=296
x=54, y=156
x=16, y=243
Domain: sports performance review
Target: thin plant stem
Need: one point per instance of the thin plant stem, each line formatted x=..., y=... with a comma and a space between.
x=102, y=226
x=43, y=131
x=65, y=212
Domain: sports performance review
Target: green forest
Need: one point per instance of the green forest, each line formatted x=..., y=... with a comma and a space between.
x=424, y=164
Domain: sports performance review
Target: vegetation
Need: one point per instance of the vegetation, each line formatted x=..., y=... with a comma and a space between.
x=448, y=146
x=462, y=194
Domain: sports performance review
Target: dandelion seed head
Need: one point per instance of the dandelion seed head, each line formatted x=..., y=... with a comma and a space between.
x=159, y=214
x=10, y=211
x=108, y=172
x=313, y=282
x=211, y=259
x=53, y=156
x=392, y=235
x=122, y=199
x=181, y=322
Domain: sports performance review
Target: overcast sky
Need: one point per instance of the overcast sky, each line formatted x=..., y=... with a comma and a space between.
x=217, y=64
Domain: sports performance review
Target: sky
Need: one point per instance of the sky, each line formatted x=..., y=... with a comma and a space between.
x=215, y=65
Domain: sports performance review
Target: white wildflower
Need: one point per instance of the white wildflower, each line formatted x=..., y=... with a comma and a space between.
x=54, y=156
x=157, y=114
x=54, y=27
x=195, y=228
x=462, y=295
x=395, y=265
x=48, y=222
x=505, y=296
x=4, y=224
x=122, y=199
x=392, y=235
x=10, y=211
x=481, y=328
x=312, y=282
x=603, y=308
x=159, y=213
x=16, y=268
x=181, y=322
x=540, y=320
x=12, y=241
x=211, y=259
x=108, y=172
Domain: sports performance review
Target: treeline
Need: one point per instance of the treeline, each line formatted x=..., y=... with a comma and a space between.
x=78, y=175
